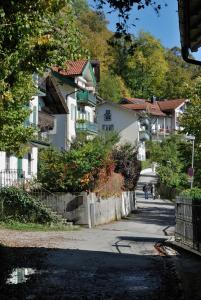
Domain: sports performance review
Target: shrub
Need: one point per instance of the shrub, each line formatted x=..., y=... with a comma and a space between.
x=125, y=157
x=18, y=205
x=78, y=169
x=194, y=194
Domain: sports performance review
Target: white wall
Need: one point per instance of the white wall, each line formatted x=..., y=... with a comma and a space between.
x=125, y=122
x=65, y=129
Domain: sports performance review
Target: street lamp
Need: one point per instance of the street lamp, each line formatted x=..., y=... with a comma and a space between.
x=191, y=138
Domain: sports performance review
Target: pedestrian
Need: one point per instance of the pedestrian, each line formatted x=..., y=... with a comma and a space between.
x=153, y=192
x=146, y=191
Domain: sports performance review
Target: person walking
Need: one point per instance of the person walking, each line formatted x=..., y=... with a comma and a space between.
x=153, y=192
x=146, y=191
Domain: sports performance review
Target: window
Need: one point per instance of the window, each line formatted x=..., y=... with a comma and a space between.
x=107, y=115
x=7, y=161
x=29, y=163
x=108, y=127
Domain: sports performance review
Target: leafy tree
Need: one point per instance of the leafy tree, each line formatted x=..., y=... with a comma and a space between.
x=124, y=8
x=78, y=169
x=126, y=163
x=171, y=166
x=144, y=69
x=190, y=119
x=109, y=88
x=179, y=76
x=33, y=36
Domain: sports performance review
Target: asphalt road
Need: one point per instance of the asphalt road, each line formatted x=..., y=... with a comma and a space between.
x=113, y=261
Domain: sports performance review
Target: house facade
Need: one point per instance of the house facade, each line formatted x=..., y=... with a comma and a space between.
x=157, y=119
x=76, y=85
x=114, y=117
x=15, y=170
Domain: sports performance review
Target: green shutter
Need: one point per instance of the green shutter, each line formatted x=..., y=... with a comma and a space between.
x=19, y=168
x=34, y=115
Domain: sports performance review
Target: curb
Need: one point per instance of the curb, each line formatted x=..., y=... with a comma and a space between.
x=171, y=242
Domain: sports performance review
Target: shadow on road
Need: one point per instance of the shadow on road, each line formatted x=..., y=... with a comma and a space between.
x=75, y=274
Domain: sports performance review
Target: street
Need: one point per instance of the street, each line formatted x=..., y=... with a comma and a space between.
x=114, y=261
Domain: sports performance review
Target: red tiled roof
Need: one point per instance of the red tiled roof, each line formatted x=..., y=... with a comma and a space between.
x=170, y=104
x=73, y=68
x=140, y=106
x=152, y=108
x=135, y=100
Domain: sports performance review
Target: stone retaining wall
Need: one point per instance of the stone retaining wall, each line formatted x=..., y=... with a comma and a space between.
x=88, y=209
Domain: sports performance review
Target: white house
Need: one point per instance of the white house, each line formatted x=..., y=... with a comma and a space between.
x=15, y=170
x=114, y=117
x=158, y=118
x=76, y=86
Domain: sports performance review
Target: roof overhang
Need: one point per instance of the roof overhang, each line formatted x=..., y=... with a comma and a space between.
x=190, y=28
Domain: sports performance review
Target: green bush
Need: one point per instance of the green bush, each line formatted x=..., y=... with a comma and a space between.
x=194, y=193
x=18, y=205
x=75, y=170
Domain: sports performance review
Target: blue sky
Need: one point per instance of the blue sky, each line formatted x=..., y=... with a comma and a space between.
x=164, y=27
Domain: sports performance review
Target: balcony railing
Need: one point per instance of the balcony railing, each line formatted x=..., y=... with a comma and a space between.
x=39, y=136
x=87, y=127
x=86, y=98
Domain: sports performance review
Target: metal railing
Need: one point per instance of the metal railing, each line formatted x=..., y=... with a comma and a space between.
x=86, y=98
x=188, y=222
x=86, y=126
x=12, y=177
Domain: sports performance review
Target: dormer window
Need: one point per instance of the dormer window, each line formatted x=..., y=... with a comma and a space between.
x=107, y=115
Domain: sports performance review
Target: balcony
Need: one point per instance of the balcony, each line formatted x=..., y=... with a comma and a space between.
x=39, y=137
x=86, y=98
x=45, y=121
x=86, y=126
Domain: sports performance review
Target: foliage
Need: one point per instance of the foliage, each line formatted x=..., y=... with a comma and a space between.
x=194, y=193
x=14, y=225
x=191, y=119
x=126, y=163
x=147, y=67
x=171, y=167
x=179, y=76
x=78, y=169
x=18, y=205
x=109, y=88
x=33, y=36
x=124, y=8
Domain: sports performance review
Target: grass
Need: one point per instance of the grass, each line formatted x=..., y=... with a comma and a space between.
x=37, y=227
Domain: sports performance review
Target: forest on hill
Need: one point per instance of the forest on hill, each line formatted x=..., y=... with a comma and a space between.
x=140, y=67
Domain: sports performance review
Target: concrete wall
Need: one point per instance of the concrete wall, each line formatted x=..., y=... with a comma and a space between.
x=90, y=210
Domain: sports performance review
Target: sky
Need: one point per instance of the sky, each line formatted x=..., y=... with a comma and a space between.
x=164, y=27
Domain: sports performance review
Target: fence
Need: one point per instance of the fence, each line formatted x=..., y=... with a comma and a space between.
x=188, y=222
x=11, y=177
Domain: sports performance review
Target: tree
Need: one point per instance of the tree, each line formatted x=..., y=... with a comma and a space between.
x=126, y=163
x=145, y=69
x=124, y=8
x=33, y=36
x=190, y=119
x=171, y=167
x=78, y=169
x=179, y=76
